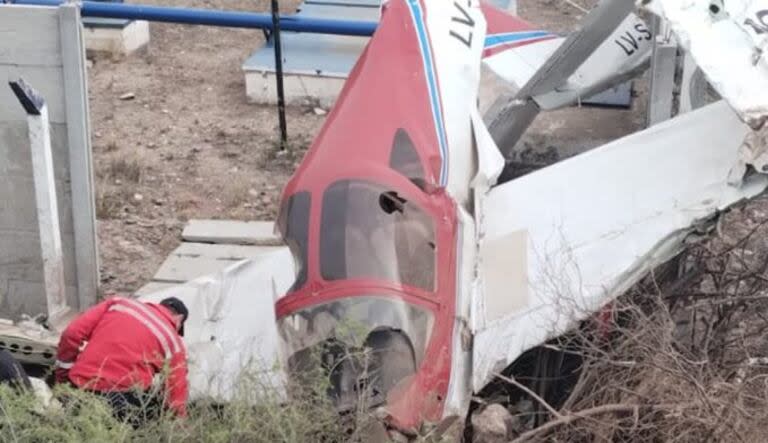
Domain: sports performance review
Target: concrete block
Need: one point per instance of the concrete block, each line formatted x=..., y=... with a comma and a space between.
x=231, y=232
x=118, y=40
x=29, y=344
x=260, y=87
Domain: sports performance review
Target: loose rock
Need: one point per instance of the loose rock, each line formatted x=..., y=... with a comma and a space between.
x=491, y=424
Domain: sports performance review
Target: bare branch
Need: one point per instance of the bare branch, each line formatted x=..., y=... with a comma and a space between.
x=535, y=396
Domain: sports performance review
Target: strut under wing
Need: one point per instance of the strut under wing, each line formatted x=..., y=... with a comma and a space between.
x=559, y=243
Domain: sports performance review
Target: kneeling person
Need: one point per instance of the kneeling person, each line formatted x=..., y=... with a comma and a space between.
x=116, y=348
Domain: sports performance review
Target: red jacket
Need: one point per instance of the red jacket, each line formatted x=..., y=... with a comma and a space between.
x=126, y=342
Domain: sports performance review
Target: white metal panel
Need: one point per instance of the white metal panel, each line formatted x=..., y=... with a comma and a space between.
x=517, y=65
x=231, y=333
x=594, y=224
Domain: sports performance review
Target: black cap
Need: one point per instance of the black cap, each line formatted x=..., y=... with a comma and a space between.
x=178, y=307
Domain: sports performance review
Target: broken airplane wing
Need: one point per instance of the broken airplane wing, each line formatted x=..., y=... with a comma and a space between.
x=561, y=242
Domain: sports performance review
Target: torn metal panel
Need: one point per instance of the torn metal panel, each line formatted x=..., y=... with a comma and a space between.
x=231, y=334
x=586, y=229
x=459, y=392
x=753, y=152
x=727, y=39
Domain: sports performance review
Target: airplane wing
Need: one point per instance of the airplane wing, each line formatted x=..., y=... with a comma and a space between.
x=231, y=332
x=728, y=40
x=548, y=72
x=559, y=243
x=585, y=63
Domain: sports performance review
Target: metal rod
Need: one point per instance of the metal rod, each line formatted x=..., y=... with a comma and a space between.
x=279, y=73
x=213, y=17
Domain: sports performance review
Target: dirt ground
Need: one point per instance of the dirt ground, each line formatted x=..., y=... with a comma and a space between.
x=189, y=145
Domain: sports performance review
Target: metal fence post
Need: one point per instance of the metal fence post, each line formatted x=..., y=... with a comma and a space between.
x=279, y=73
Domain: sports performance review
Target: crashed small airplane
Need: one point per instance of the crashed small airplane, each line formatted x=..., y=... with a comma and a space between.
x=402, y=239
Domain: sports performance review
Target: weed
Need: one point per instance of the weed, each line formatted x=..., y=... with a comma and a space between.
x=124, y=169
x=109, y=202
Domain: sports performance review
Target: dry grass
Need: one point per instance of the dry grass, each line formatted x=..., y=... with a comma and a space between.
x=116, y=185
x=237, y=194
x=124, y=170
x=81, y=417
x=110, y=201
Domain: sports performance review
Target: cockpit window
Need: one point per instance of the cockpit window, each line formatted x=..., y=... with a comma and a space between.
x=369, y=231
x=367, y=345
x=405, y=160
x=294, y=225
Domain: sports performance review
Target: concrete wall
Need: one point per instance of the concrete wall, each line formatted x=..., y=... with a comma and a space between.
x=44, y=47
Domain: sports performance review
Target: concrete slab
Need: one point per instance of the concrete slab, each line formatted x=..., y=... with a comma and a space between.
x=299, y=90
x=152, y=287
x=114, y=38
x=29, y=343
x=232, y=232
x=221, y=251
x=209, y=246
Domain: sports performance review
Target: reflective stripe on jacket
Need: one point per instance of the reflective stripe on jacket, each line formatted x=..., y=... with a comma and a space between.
x=126, y=343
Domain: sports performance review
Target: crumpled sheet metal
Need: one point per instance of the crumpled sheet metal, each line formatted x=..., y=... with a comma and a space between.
x=728, y=40
x=231, y=333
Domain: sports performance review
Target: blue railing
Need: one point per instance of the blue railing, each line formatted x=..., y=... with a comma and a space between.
x=212, y=17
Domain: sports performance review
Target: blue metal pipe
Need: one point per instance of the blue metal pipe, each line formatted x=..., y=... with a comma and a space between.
x=212, y=17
